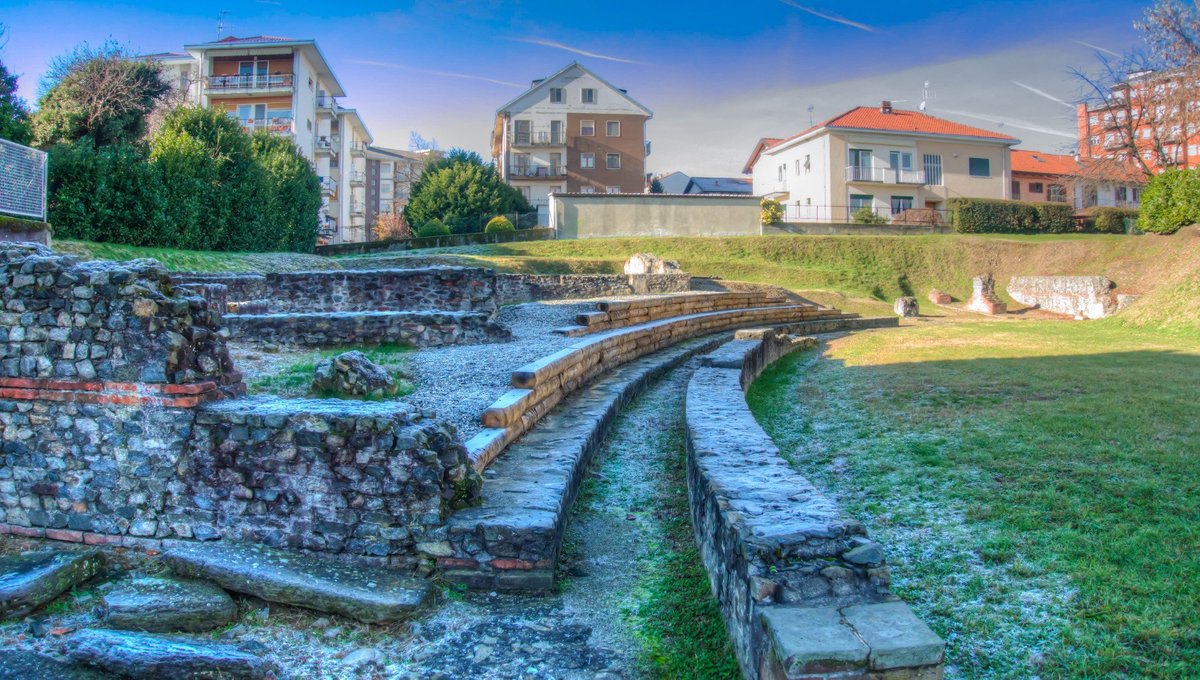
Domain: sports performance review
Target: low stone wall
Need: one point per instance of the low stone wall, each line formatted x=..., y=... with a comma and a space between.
x=517, y=288
x=1088, y=297
x=622, y=313
x=539, y=386
x=339, y=329
x=803, y=589
x=458, y=289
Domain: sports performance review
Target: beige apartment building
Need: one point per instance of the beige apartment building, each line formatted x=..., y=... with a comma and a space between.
x=571, y=132
x=391, y=174
x=287, y=87
x=900, y=164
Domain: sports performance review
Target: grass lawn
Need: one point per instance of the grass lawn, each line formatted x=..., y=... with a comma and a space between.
x=294, y=378
x=197, y=260
x=1037, y=485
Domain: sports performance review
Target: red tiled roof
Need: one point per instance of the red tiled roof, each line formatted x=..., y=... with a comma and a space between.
x=1037, y=162
x=254, y=39
x=872, y=118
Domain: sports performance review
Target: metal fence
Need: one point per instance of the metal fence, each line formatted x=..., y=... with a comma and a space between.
x=900, y=213
x=22, y=180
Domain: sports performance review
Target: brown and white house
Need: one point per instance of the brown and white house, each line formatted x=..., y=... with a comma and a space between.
x=571, y=132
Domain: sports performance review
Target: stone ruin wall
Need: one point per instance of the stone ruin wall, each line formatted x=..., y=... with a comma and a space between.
x=118, y=424
x=517, y=288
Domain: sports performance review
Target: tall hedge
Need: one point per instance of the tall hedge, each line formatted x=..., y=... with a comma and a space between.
x=995, y=216
x=1170, y=201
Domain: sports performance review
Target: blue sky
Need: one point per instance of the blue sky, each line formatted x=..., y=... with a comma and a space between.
x=718, y=75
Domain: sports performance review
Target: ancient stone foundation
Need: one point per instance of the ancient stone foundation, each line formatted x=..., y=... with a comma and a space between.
x=337, y=329
x=802, y=588
x=1085, y=297
x=516, y=288
x=983, y=297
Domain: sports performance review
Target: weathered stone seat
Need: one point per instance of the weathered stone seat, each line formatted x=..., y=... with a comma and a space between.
x=803, y=590
x=148, y=656
x=333, y=329
x=30, y=580
x=622, y=313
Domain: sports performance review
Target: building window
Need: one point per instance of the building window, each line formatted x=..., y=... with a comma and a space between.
x=1122, y=194
x=614, y=128
x=587, y=128
x=587, y=161
x=1016, y=190
x=933, y=169
x=614, y=190
x=1036, y=187
x=587, y=190
x=797, y=166
x=587, y=95
x=556, y=95
x=979, y=167
x=612, y=161
x=782, y=172
x=901, y=203
x=1057, y=194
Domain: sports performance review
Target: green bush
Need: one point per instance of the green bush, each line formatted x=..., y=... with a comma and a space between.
x=1171, y=201
x=434, y=227
x=458, y=189
x=995, y=216
x=499, y=224
x=865, y=215
x=771, y=211
x=1111, y=220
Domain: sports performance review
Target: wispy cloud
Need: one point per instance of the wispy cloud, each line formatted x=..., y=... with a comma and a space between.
x=268, y=2
x=1096, y=47
x=1010, y=122
x=829, y=16
x=444, y=74
x=1044, y=94
x=567, y=48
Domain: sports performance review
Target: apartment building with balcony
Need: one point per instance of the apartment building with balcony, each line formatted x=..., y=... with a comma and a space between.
x=1153, y=114
x=572, y=131
x=286, y=87
x=391, y=174
x=889, y=160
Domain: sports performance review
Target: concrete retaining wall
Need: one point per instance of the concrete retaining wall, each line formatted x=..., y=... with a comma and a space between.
x=623, y=215
x=803, y=589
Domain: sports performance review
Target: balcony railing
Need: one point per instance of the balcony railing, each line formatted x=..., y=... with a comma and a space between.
x=538, y=171
x=357, y=177
x=358, y=147
x=328, y=186
x=357, y=208
x=861, y=173
x=280, y=126
x=327, y=103
x=538, y=138
x=328, y=144
x=279, y=81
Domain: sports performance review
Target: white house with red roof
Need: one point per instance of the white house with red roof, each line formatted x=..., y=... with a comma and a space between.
x=902, y=165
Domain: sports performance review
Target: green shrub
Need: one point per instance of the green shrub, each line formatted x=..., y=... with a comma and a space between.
x=499, y=224
x=865, y=215
x=1111, y=220
x=771, y=211
x=434, y=227
x=995, y=216
x=1171, y=200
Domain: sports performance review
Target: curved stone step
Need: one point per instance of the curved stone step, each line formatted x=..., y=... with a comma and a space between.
x=367, y=594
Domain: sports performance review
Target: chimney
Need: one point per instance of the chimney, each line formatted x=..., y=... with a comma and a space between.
x=885, y=106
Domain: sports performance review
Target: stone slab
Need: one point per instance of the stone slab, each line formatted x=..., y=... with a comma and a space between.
x=144, y=656
x=165, y=605
x=367, y=594
x=811, y=640
x=21, y=664
x=897, y=638
x=30, y=580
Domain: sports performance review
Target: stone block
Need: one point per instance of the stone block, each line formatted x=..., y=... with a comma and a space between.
x=809, y=641
x=896, y=637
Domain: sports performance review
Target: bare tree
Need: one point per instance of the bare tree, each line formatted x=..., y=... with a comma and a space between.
x=1142, y=107
x=391, y=226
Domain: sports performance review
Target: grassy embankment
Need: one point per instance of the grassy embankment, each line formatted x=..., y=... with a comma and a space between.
x=1035, y=484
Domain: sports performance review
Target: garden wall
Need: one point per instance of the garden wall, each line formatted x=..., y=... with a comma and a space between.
x=803, y=590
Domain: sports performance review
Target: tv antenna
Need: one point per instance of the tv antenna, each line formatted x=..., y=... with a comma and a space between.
x=810, y=110
x=221, y=22
x=925, y=95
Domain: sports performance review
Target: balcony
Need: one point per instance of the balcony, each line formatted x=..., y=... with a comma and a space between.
x=358, y=148
x=538, y=172
x=358, y=177
x=328, y=186
x=327, y=145
x=252, y=83
x=547, y=137
x=327, y=104
x=357, y=208
x=859, y=173
x=277, y=125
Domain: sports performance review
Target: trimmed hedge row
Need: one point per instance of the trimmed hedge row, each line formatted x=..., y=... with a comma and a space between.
x=995, y=216
x=1110, y=220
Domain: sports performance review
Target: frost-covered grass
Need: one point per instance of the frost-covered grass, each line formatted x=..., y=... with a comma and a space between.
x=294, y=376
x=1036, y=485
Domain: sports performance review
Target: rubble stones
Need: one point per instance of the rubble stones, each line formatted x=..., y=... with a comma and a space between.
x=30, y=580
x=152, y=657
x=165, y=605
x=906, y=307
x=937, y=297
x=370, y=595
x=648, y=263
x=983, y=297
x=352, y=374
